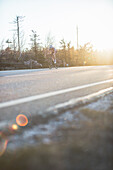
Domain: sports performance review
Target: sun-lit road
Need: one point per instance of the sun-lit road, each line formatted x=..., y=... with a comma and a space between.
x=37, y=90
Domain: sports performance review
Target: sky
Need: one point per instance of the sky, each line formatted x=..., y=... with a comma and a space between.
x=60, y=18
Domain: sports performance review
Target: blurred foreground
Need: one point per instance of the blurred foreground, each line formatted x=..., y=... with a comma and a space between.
x=77, y=139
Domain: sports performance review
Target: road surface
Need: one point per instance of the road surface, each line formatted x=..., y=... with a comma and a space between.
x=34, y=91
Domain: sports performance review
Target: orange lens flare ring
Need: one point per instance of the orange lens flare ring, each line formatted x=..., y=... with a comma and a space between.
x=21, y=120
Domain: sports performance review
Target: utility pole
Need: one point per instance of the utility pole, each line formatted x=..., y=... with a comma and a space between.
x=17, y=22
x=18, y=34
x=77, y=36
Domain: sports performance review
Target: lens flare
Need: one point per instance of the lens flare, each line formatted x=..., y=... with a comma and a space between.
x=3, y=144
x=14, y=127
x=21, y=120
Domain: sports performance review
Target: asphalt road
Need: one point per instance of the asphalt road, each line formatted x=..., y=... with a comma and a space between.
x=33, y=91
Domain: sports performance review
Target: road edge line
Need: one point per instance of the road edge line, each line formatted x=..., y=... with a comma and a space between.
x=50, y=94
x=80, y=101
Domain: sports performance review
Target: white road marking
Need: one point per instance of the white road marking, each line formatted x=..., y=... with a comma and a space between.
x=18, y=72
x=81, y=100
x=25, y=70
x=71, y=103
x=20, y=75
x=50, y=94
x=26, y=75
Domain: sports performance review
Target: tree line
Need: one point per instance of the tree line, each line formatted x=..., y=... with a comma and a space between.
x=66, y=54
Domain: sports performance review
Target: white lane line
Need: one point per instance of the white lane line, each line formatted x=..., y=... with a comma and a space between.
x=20, y=72
x=25, y=70
x=25, y=75
x=20, y=75
x=81, y=100
x=50, y=94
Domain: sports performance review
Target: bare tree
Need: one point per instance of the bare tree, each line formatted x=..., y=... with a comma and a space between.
x=2, y=45
x=68, y=58
x=49, y=40
x=86, y=54
x=63, y=47
x=35, y=42
x=63, y=44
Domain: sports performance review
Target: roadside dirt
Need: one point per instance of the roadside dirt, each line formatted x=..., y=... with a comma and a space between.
x=77, y=139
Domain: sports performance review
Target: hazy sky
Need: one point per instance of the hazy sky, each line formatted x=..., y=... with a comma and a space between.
x=60, y=17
